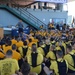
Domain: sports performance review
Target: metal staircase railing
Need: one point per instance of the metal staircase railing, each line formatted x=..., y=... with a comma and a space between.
x=23, y=12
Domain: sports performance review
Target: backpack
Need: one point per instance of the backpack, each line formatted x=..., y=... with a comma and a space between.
x=62, y=68
x=45, y=50
x=48, y=62
x=55, y=54
x=34, y=59
x=24, y=51
x=73, y=57
x=63, y=49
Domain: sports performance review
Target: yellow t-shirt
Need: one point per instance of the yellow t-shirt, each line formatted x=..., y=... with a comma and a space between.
x=41, y=50
x=8, y=66
x=31, y=38
x=13, y=41
x=16, y=55
x=35, y=40
x=3, y=46
x=20, y=49
x=30, y=51
x=54, y=66
x=38, y=68
x=27, y=41
x=2, y=55
x=51, y=55
x=69, y=59
x=6, y=48
x=73, y=51
x=58, y=48
x=19, y=44
x=30, y=44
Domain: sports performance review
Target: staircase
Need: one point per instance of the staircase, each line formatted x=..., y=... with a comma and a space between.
x=25, y=16
x=23, y=12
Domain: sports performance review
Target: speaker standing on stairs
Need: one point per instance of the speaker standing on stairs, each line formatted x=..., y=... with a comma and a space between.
x=20, y=27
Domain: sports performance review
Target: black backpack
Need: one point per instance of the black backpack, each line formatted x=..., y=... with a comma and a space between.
x=48, y=62
x=63, y=49
x=54, y=53
x=45, y=50
x=34, y=59
x=62, y=68
x=73, y=57
x=24, y=51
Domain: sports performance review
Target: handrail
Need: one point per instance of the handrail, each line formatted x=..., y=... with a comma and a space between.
x=33, y=16
x=25, y=14
x=36, y=20
x=30, y=14
x=30, y=18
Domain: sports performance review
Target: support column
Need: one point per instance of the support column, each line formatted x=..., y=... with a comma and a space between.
x=59, y=7
x=39, y=5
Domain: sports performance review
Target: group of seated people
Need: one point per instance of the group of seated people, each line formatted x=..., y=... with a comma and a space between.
x=52, y=26
x=40, y=53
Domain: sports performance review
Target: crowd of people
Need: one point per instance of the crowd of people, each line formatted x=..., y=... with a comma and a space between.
x=41, y=52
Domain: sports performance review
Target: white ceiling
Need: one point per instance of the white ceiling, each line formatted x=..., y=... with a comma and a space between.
x=70, y=0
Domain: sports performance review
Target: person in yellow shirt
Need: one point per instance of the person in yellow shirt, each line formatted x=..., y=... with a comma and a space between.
x=14, y=41
x=41, y=27
x=60, y=67
x=30, y=43
x=70, y=57
x=52, y=53
x=33, y=60
x=23, y=50
x=60, y=47
x=73, y=47
x=41, y=48
x=47, y=42
x=16, y=55
x=51, y=26
x=8, y=46
x=27, y=41
x=2, y=54
x=51, y=56
x=64, y=45
x=19, y=43
x=35, y=40
x=25, y=70
x=32, y=40
x=8, y=66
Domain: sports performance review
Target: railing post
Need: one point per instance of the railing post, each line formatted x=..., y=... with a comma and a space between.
x=37, y=22
x=29, y=17
x=20, y=11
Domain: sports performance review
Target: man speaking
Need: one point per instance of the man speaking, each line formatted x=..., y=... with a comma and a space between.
x=20, y=27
